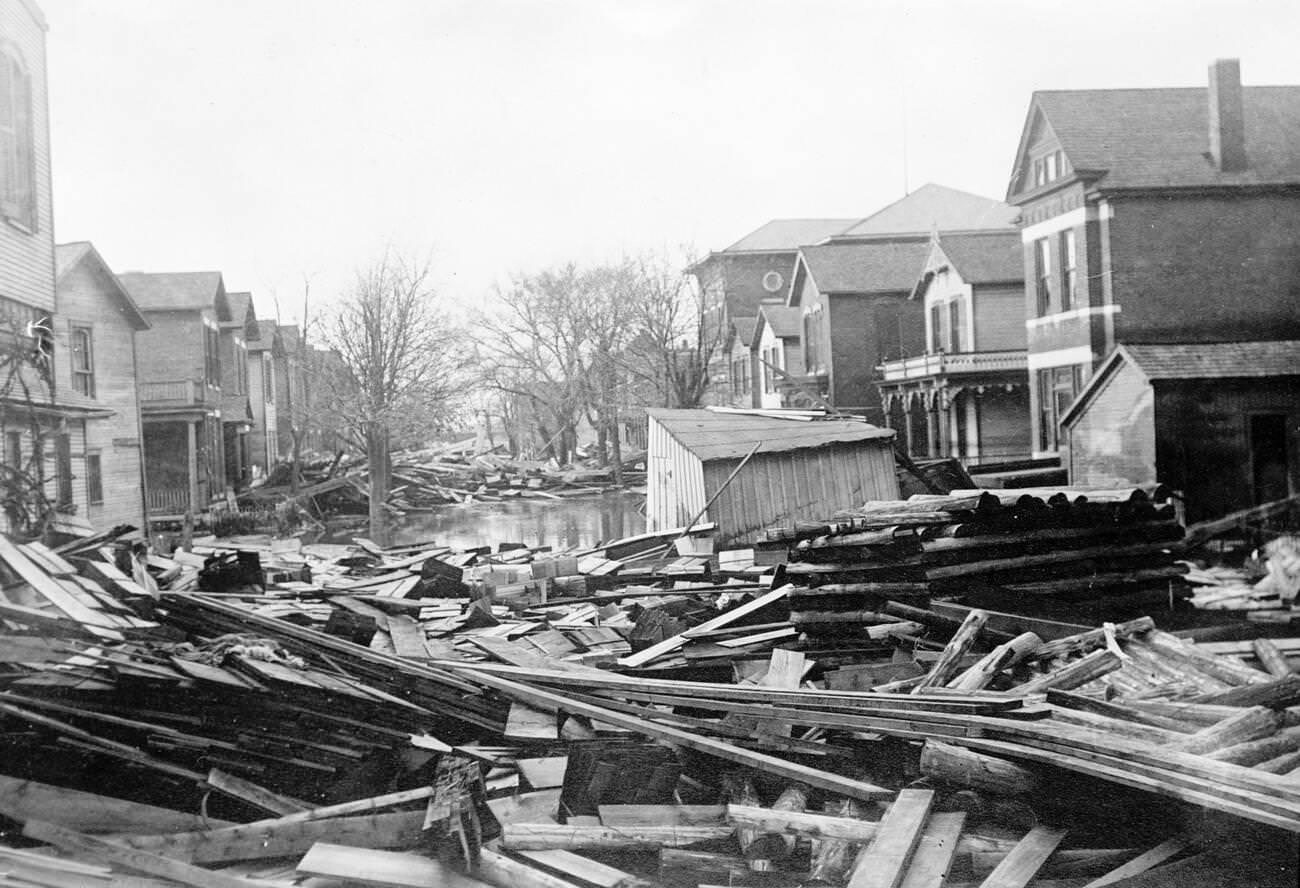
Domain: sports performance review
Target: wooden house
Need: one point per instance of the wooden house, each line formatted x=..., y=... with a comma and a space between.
x=967, y=394
x=779, y=355
x=237, y=320
x=784, y=469
x=94, y=328
x=179, y=371
x=264, y=353
x=1217, y=422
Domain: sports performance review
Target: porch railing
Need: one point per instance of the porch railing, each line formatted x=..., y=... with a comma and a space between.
x=171, y=393
x=957, y=363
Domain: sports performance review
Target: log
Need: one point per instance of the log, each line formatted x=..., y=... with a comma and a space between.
x=1085, y=642
x=966, y=767
x=946, y=666
x=1001, y=657
x=1072, y=675
x=1276, y=694
x=1226, y=669
x=1283, y=764
x=884, y=862
x=1254, y=752
x=1271, y=657
x=1249, y=724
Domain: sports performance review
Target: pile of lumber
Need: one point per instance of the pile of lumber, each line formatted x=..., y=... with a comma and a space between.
x=1104, y=553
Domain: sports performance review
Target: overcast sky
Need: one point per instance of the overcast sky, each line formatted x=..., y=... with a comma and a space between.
x=276, y=140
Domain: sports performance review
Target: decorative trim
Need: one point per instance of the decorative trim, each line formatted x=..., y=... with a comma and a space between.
x=1070, y=219
x=1062, y=357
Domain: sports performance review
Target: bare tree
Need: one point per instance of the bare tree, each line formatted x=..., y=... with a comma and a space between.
x=400, y=365
x=26, y=383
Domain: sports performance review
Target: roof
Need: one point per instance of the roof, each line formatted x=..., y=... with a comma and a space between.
x=266, y=336
x=712, y=435
x=1144, y=138
x=788, y=235
x=786, y=322
x=173, y=291
x=1198, y=360
x=1216, y=360
x=991, y=258
x=69, y=256
x=240, y=308
x=871, y=267
x=936, y=207
x=745, y=327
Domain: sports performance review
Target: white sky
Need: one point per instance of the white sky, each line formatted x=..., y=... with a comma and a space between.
x=275, y=140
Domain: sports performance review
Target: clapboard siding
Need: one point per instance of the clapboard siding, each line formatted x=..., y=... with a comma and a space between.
x=999, y=323
x=86, y=298
x=27, y=258
x=1113, y=443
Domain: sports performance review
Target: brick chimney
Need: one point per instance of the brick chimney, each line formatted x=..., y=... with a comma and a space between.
x=1227, y=122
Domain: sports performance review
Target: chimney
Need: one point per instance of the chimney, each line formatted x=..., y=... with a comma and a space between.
x=1227, y=122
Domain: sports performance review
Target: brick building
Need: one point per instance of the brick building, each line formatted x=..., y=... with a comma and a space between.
x=1154, y=216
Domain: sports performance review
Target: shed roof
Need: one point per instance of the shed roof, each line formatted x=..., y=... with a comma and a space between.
x=788, y=235
x=173, y=291
x=712, y=435
x=1193, y=360
x=936, y=207
x=1145, y=138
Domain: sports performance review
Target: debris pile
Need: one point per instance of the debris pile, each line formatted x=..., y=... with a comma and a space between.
x=415, y=716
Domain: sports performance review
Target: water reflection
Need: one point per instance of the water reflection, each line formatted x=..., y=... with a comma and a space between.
x=575, y=522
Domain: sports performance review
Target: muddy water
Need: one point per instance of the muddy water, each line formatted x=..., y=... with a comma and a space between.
x=573, y=522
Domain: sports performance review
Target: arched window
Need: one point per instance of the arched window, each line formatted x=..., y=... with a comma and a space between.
x=17, y=155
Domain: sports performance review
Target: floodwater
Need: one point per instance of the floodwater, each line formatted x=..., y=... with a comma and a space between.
x=580, y=521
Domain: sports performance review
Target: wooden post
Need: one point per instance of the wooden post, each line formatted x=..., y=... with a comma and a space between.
x=1271, y=658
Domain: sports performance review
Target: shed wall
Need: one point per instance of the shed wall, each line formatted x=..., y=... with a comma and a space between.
x=808, y=484
x=1113, y=444
x=674, y=482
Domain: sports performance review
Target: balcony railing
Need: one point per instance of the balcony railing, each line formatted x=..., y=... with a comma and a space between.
x=956, y=364
x=173, y=393
x=174, y=499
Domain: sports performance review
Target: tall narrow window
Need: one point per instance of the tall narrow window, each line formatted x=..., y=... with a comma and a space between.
x=954, y=326
x=1043, y=274
x=17, y=156
x=63, y=468
x=1070, y=271
x=14, y=450
x=94, y=479
x=1057, y=388
x=936, y=328
x=83, y=362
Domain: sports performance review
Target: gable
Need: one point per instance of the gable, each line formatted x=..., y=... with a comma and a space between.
x=83, y=255
x=1041, y=159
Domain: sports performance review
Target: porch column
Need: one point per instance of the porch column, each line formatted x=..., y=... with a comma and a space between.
x=192, y=462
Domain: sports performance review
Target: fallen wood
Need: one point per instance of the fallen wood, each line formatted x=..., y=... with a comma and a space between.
x=883, y=864
x=966, y=767
x=1026, y=859
x=934, y=854
x=506, y=872
x=570, y=837
x=380, y=869
x=586, y=870
x=1143, y=862
x=944, y=668
x=86, y=812
x=258, y=796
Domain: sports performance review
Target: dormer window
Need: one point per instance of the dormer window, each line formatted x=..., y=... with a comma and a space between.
x=1049, y=167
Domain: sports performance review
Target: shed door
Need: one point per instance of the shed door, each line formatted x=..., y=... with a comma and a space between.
x=1269, y=457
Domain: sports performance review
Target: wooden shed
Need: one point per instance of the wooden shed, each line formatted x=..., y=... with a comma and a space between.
x=1218, y=422
x=802, y=469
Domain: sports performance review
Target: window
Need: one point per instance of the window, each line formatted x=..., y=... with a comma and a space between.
x=936, y=328
x=1043, y=274
x=1057, y=387
x=212, y=357
x=268, y=377
x=771, y=359
x=14, y=450
x=94, y=479
x=812, y=345
x=83, y=362
x=63, y=468
x=954, y=326
x=1070, y=271
x=740, y=375
x=17, y=158
x=1049, y=167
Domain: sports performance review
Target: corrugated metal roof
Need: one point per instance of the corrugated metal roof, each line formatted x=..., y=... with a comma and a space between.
x=1216, y=360
x=714, y=435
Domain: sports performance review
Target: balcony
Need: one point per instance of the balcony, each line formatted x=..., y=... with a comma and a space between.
x=174, y=394
x=956, y=364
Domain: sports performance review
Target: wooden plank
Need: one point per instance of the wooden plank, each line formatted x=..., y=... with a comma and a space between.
x=1019, y=867
x=257, y=796
x=525, y=722
x=402, y=829
x=543, y=773
x=86, y=812
x=1143, y=862
x=935, y=852
x=49, y=589
x=408, y=638
x=584, y=869
x=729, y=752
x=668, y=645
x=576, y=837
x=883, y=863
x=506, y=872
x=97, y=849
x=661, y=815
x=379, y=869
